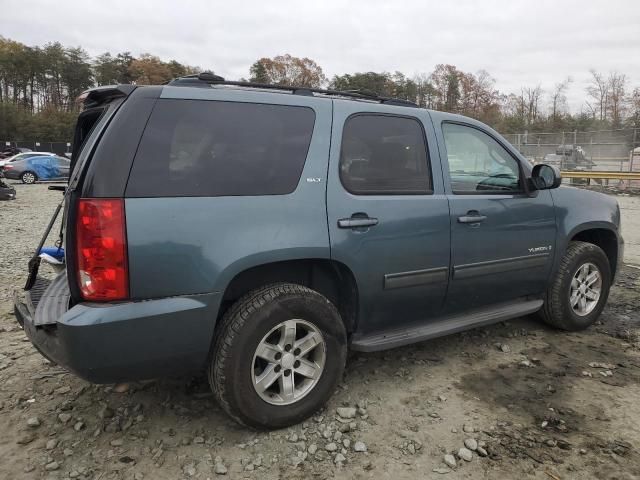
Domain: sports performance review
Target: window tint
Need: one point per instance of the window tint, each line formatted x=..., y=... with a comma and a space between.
x=211, y=148
x=477, y=163
x=384, y=155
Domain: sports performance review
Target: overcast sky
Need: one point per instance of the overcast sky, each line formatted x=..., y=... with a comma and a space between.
x=519, y=43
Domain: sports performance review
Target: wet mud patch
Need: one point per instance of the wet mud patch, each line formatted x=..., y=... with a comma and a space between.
x=621, y=317
x=552, y=402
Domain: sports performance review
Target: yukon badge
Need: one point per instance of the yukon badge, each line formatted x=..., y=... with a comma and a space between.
x=540, y=249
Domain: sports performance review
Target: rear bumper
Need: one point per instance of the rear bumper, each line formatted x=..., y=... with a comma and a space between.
x=108, y=343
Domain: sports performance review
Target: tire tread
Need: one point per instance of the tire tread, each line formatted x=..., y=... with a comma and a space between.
x=231, y=326
x=552, y=311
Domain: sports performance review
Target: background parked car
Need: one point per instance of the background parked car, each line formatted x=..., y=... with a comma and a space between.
x=23, y=155
x=10, y=151
x=33, y=169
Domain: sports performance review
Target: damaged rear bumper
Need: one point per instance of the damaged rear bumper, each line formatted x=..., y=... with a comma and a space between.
x=108, y=343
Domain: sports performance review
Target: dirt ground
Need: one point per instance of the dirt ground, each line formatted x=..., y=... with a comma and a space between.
x=535, y=403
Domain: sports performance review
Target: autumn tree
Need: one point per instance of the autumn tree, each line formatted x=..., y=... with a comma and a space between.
x=478, y=96
x=288, y=70
x=149, y=70
x=446, y=82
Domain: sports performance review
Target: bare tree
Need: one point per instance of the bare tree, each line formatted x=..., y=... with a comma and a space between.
x=530, y=101
x=559, y=97
x=598, y=90
x=426, y=93
x=616, y=85
x=634, y=102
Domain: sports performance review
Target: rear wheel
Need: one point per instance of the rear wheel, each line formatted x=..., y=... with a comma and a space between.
x=576, y=297
x=278, y=355
x=28, y=178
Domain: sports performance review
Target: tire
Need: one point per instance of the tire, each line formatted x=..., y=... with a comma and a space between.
x=557, y=309
x=260, y=318
x=29, y=178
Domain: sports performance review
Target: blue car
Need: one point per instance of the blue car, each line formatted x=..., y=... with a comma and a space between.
x=32, y=169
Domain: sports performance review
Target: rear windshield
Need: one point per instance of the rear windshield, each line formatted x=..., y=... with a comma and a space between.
x=211, y=148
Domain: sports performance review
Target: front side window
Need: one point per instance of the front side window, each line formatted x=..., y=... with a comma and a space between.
x=478, y=163
x=213, y=148
x=384, y=155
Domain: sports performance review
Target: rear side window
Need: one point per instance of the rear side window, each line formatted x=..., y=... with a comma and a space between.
x=384, y=155
x=212, y=148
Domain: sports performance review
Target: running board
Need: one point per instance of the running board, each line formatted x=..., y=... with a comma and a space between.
x=439, y=327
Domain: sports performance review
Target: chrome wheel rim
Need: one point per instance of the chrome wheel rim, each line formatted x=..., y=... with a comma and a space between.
x=586, y=288
x=288, y=362
x=28, y=178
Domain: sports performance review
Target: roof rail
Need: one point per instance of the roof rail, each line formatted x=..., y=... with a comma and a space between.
x=208, y=78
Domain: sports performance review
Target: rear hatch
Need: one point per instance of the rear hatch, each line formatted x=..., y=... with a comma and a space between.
x=104, y=142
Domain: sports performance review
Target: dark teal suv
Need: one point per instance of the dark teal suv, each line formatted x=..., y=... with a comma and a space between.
x=259, y=232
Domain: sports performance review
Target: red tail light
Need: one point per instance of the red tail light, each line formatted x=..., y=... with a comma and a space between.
x=103, y=270
x=7, y=166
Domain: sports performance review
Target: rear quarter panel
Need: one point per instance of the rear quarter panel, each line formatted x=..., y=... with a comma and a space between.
x=189, y=245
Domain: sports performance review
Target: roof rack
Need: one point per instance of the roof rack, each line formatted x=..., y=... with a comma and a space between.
x=208, y=78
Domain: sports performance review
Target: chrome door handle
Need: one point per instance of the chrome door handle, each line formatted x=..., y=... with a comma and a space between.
x=357, y=222
x=472, y=216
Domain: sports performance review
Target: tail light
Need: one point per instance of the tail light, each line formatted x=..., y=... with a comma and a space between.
x=7, y=166
x=101, y=241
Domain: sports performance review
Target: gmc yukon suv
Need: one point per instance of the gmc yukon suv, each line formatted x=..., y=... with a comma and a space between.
x=259, y=232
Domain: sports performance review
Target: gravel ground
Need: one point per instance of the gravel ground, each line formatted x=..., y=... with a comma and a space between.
x=515, y=400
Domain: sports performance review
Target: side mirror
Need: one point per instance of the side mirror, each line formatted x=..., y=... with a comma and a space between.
x=545, y=177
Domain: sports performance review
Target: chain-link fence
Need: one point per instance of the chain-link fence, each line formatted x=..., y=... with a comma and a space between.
x=607, y=150
x=59, y=148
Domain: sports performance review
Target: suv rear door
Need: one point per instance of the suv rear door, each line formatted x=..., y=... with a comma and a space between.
x=388, y=215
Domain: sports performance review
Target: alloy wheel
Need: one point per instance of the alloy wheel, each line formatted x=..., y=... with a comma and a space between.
x=288, y=362
x=585, y=290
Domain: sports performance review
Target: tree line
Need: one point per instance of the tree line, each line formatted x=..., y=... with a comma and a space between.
x=39, y=85
x=610, y=101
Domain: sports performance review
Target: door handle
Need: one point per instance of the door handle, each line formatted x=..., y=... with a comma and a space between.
x=472, y=216
x=357, y=222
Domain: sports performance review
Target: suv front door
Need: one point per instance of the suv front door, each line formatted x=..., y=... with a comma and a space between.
x=387, y=212
x=502, y=240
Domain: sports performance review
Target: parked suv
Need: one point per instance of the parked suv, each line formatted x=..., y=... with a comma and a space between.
x=260, y=232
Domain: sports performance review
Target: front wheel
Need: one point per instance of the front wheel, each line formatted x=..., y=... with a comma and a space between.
x=576, y=297
x=277, y=356
x=28, y=178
